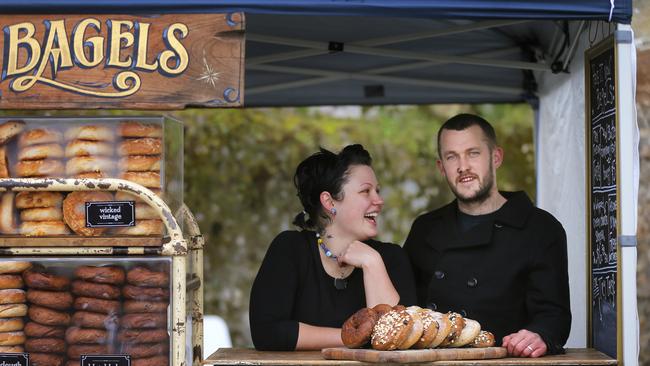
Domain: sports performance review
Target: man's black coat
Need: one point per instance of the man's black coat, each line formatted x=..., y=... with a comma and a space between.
x=509, y=273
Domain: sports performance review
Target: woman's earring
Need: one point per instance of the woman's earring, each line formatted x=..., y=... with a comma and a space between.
x=333, y=211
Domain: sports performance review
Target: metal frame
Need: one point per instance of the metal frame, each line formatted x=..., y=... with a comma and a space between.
x=195, y=282
x=175, y=247
x=372, y=47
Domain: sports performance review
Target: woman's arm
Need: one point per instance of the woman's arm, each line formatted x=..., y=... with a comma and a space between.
x=272, y=298
x=377, y=284
x=314, y=338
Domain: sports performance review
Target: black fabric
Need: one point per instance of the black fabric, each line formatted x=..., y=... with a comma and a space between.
x=450, y=9
x=467, y=222
x=509, y=275
x=292, y=286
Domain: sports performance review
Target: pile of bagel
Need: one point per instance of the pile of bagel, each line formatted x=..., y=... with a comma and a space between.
x=129, y=150
x=388, y=328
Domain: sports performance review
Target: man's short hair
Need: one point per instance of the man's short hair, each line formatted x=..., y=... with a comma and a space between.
x=463, y=121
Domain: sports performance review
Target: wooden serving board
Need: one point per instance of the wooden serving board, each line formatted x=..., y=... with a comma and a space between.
x=419, y=355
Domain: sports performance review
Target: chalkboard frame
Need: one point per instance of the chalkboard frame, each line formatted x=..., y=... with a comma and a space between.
x=606, y=45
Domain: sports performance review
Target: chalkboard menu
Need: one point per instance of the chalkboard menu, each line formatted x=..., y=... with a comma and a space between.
x=602, y=190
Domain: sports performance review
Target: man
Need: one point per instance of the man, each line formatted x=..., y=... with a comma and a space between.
x=489, y=255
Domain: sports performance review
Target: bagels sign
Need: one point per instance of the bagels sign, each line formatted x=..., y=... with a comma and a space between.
x=121, y=61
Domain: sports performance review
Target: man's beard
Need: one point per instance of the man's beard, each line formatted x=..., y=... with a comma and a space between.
x=483, y=190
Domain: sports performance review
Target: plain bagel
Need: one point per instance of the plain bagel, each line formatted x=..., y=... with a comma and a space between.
x=39, y=136
x=90, y=132
x=140, y=146
x=38, y=152
x=43, y=228
x=10, y=129
x=138, y=129
x=39, y=168
x=8, y=267
x=88, y=148
x=38, y=199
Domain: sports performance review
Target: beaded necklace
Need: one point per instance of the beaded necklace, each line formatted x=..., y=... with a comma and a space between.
x=339, y=283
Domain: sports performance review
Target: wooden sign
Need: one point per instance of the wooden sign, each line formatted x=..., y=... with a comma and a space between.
x=602, y=197
x=121, y=61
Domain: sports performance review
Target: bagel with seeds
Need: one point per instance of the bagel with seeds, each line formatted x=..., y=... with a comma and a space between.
x=470, y=331
x=391, y=330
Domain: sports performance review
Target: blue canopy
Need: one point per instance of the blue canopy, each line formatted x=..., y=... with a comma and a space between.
x=329, y=52
x=619, y=11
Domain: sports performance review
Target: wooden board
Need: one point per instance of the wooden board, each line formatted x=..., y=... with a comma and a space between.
x=80, y=241
x=247, y=356
x=120, y=61
x=409, y=356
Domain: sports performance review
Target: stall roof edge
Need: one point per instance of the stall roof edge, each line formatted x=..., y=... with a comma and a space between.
x=619, y=11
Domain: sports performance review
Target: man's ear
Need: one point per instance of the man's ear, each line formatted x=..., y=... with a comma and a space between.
x=441, y=168
x=497, y=156
x=326, y=200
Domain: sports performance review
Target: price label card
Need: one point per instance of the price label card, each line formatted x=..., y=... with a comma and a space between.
x=110, y=214
x=105, y=360
x=14, y=359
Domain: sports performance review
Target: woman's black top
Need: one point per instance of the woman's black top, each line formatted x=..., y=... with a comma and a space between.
x=292, y=286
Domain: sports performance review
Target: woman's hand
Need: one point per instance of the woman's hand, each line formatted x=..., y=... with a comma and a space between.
x=378, y=286
x=359, y=255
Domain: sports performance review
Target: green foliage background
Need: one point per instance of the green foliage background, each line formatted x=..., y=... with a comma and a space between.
x=239, y=166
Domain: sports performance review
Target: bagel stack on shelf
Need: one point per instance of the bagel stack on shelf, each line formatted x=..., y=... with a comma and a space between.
x=49, y=301
x=140, y=154
x=387, y=328
x=39, y=154
x=12, y=306
x=8, y=130
x=89, y=150
x=143, y=333
x=40, y=213
x=95, y=321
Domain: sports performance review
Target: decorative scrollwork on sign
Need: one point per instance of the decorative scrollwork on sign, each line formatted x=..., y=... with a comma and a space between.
x=127, y=82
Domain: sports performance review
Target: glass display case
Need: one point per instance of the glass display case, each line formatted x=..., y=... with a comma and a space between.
x=144, y=150
x=61, y=309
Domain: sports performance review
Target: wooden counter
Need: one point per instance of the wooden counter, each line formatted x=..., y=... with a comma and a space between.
x=243, y=356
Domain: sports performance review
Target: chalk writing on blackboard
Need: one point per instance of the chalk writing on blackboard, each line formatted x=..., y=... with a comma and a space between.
x=603, y=197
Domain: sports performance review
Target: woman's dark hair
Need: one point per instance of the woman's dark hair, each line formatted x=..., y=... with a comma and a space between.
x=324, y=171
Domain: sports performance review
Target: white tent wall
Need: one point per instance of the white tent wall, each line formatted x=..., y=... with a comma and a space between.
x=561, y=180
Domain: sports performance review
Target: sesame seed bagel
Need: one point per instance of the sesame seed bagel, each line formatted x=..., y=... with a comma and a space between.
x=430, y=329
x=484, y=339
x=391, y=330
x=416, y=330
x=468, y=334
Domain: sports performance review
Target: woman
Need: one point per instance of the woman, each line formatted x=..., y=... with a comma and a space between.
x=312, y=280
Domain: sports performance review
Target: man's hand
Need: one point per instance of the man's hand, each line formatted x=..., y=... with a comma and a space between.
x=524, y=343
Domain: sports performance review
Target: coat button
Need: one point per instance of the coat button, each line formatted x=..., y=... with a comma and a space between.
x=463, y=313
x=439, y=274
x=472, y=282
x=432, y=306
